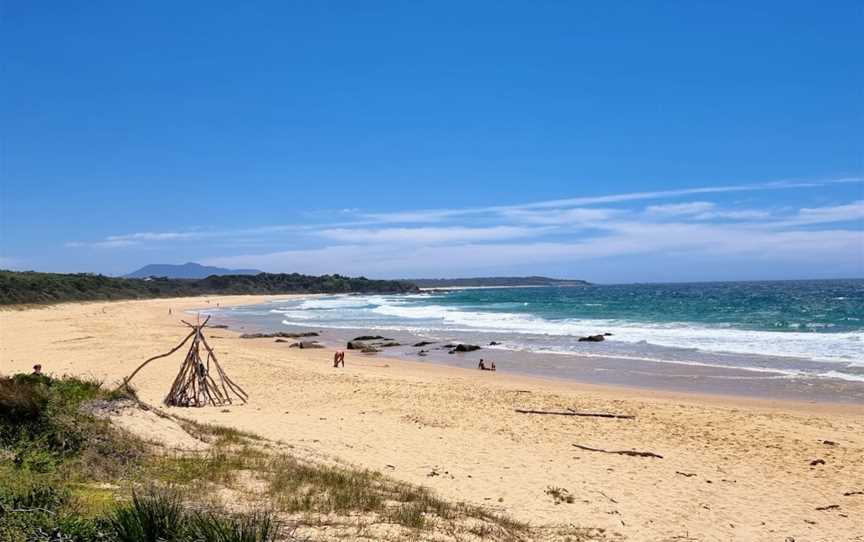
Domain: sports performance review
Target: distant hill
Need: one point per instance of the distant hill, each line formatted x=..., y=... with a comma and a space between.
x=31, y=287
x=186, y=271
x=477, y=282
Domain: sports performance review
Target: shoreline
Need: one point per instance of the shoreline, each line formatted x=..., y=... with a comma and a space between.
x=632, y=373
x=456, y=431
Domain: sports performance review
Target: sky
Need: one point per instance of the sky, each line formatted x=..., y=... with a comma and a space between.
x=606, y=141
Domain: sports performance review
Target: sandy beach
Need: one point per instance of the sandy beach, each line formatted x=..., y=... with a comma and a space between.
x=732, y=468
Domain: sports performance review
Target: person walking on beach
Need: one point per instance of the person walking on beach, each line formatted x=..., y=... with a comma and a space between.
x=339, y=357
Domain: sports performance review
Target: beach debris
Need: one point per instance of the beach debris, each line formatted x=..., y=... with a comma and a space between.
x=592, y=338
x=559, y=495
x=829, y=507
x=200, y=381
x=631, y=453
x=829, y=443
x=817, y=462
x=278, y=334
x=571, y=412
x=687, y=474
x=852, y=493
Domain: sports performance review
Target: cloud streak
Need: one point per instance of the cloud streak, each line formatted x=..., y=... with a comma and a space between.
x=534, y=235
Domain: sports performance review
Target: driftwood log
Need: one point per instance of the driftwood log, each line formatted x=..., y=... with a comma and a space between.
x=631, y=453
x=571, y=412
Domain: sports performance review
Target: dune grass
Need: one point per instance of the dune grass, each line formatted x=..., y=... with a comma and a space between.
x=68, y=475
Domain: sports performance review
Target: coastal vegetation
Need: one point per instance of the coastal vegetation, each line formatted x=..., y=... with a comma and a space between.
x=67, y=473
x=35, y=288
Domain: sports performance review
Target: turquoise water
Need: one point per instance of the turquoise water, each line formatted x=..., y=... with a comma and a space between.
x=817, y=306
x=810, y=328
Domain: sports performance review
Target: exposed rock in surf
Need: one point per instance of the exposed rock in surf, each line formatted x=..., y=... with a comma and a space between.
x=306, y=344
x=356, y=345
x=465, y=348
x=371, y=338
x=421, y=344
x=494, y=343
x=592, y=339
x=279, y=334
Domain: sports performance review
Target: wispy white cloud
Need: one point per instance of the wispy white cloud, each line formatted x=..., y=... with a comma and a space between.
x=455, y=234
x=837, y=213
x=435, y=215
x=679, y=209
x=553, y=231
x=579, y=215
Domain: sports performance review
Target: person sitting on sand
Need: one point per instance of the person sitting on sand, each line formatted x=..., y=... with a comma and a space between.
x=37, y=369
x=481, y=365
x=492, y=367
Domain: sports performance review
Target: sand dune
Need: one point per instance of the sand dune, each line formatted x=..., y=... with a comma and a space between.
x=732, y=468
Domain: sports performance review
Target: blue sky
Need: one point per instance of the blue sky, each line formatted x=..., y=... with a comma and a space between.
x=615, y=142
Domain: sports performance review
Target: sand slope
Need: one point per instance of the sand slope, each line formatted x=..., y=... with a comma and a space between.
x=732, y=469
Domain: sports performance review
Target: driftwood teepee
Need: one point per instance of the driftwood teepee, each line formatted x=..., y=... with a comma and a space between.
x=201, y=381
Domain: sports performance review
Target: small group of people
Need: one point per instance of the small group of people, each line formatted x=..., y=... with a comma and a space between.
x=482, y=365
x=339, y=357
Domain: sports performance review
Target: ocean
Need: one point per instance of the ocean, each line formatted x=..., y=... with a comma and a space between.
x=812, y=329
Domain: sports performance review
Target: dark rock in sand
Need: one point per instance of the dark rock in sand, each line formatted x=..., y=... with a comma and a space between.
x=592, y=339
x=607, y=334
x=370, y=350
x=387, y=344
x=422, y=353
x=466, y=348
x=421, y=344
x=306, y=344
x=280, y=334
x=355, y=345
x=280, y=341
x=371, y=338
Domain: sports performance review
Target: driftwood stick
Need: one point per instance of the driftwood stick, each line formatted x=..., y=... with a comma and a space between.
x=571, y=412
x=154, y=358
x=231, y=384
x=620, y=452
x=198, y=325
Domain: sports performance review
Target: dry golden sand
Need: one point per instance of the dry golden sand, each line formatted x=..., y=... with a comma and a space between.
x=732, y=468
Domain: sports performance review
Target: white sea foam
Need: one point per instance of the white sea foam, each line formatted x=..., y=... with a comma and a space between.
x=847, y=347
